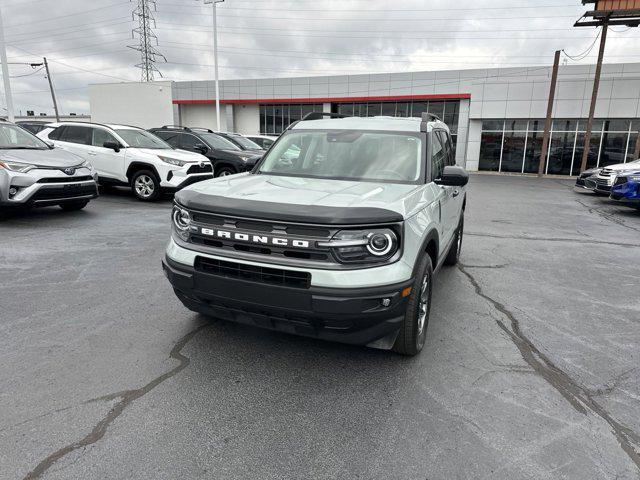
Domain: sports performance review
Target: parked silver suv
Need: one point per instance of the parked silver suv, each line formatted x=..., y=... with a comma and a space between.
x=34, y=174
x=339, y=242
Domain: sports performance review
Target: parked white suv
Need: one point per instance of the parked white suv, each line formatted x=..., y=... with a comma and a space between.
x=130, y=156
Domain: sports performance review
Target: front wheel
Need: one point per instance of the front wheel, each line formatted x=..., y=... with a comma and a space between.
x=225, y=172
x=145, y=185
x=73, y=206
x=456, y=246
x=413, y=331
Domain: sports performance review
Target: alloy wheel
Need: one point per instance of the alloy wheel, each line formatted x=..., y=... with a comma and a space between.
x=144, y=186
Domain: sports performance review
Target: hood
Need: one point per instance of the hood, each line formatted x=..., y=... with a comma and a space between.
x=305, y=200
x=55, y=158
x=177, y=154
x=624, y=166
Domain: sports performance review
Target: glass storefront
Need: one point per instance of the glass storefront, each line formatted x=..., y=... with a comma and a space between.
x=447, y=110
x=515, y=145
x=275, y=118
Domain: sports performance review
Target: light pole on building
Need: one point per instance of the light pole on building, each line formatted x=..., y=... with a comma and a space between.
x=215, y=59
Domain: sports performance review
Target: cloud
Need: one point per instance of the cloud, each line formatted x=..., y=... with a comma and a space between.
x=87, y=42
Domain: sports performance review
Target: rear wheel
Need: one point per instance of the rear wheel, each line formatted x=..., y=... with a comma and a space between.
x=225, y=172
x=413, y=331
x=456, y=246
x=145, y=185
x=73, y=206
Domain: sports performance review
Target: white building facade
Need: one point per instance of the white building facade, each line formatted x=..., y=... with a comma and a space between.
x=495, y=115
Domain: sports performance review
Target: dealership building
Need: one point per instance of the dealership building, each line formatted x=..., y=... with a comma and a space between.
x=496, y=116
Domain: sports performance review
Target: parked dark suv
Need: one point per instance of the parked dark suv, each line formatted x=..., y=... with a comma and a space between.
x=226, y=157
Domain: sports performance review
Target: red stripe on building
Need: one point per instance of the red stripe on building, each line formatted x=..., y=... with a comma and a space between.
x=445, y=96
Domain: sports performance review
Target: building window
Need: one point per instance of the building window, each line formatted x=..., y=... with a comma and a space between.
x=515, y=145
x=274, y=119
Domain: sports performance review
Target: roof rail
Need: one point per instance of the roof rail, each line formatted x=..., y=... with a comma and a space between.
x=176, y=127
x=208, y=130
x=426, y=118
x=321, y=115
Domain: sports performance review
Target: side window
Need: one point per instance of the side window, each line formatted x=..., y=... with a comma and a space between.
x=76, y=134
x=172, y=138
x=56, y=133
x=266, y=143
x=445, y=138
x=100, y=136
x=438, y=156
x=188, y=142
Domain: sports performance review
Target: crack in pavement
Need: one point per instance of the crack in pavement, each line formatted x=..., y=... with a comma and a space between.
x=578, y=397
x=607, y=216
x=551, y=239
x=126, y=398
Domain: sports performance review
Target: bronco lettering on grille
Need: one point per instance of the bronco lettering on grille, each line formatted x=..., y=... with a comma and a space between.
x=258, y=239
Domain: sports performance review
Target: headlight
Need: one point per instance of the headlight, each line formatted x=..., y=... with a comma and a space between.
x=17, y=167
x=181, y=221
x=86, y=164
x=361, y=246
x=634, y=178
x=173, y=161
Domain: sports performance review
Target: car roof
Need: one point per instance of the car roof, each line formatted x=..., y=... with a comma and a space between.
x=112, y=126
x=395, y=124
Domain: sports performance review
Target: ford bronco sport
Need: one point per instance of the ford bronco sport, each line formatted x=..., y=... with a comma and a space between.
x=339, y=243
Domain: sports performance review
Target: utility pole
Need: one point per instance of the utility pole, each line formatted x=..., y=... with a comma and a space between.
x=547, y=123
x=53, y=93
x=637, y=156
x=215, y=58
x=594, y=97
x=605, y=13
x=5, y=73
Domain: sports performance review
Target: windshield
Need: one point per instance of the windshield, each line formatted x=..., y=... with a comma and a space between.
x=143, y=139
x=14, y=137
x=218, y=142
x=245, y=143
x=347, y=155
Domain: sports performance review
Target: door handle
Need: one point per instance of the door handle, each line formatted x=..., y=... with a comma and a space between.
x=455, y=193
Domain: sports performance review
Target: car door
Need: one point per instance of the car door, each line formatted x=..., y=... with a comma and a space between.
x=75, y=139
x=107, y=162
x=439, y=159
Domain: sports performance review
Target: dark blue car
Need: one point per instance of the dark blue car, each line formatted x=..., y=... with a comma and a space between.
x=626, y=189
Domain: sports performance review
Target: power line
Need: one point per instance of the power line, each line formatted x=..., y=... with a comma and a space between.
x=49, y=19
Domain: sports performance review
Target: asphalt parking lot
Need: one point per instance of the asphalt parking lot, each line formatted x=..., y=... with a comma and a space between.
x=530, y=371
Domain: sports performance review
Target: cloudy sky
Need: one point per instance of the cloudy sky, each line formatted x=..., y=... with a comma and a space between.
x=87, y=42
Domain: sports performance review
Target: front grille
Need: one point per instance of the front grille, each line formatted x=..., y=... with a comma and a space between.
x=271, y=276
x=251, y=227
x=85, y=178
x=65, y=191
x=607, y=172
x=206, y=168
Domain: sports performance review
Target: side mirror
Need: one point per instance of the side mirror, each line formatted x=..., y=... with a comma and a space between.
x=453, y=176
x=115, y=146
x=199, y=147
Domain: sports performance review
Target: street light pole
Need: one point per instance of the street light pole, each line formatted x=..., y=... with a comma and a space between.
x=5, y=73
x=215, y=58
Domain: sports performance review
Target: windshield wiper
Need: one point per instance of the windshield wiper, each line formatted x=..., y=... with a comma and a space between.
x=23, y=148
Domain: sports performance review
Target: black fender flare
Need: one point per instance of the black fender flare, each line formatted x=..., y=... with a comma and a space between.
x=135, y=166
x=431, y=236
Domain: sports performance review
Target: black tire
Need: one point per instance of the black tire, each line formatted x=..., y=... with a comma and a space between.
x=73, y=206
x=456, y=246
x=411, y=337
x=225, y=171
x=145, y=185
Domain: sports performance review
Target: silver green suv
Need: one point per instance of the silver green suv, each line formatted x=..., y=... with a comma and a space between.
x=338, y=242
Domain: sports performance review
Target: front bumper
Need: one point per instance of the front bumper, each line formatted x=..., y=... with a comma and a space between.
x=358, y=316
x=42, y=187
x=178, y=178
x=628, y=192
